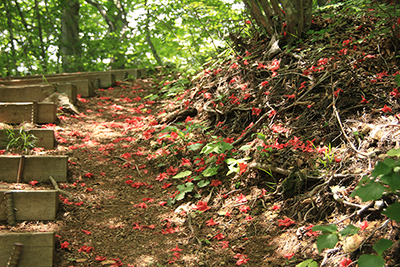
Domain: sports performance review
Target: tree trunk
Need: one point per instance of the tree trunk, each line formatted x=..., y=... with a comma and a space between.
x=271, y=16
x=70, y=45
x=149, y=42
x=43, y=52
x=117, y=25
x=12, y=67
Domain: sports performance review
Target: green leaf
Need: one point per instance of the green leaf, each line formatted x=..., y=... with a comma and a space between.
x=188, y=187
x=368, y=260
x=392, y=179
x=308, y=263
x=349, y=230
x=332, y=228
x=394, y=152
x=194, y=146
x=225, y=147
x=393, y=211
x=370, y=191
x=390, y=162
x=260, y=136
x=203, y=183
x=230, y=161
x=180, y=196
x=397, y=79
x=182, y=174
x=382, y=245
x=326, y=241
x=380, y=169
x=210, y=171
x=246, y=147
x=207, y=149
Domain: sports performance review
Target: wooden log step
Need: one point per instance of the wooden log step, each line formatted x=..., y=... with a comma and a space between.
x=37, y=168
x=25, y=93
x=37, y=250
x=120, y=74
x=70, y=89
x=28, y=112
x=31, y=205
x=36, y=92
x=44, y=137
x=102, y=79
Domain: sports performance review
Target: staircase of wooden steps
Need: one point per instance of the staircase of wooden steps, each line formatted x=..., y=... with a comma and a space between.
x=25, y=100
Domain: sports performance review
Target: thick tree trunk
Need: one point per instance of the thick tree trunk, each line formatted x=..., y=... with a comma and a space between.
x=70, y=45
x=290, y=18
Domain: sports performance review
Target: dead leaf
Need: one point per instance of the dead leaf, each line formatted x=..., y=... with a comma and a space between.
x=108, y=262
x=351, y=243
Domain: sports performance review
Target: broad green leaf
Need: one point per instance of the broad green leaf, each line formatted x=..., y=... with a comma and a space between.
x=232, y=169
x=326, y=241
x=368, y=260
x=397, y=79
x=393, y=211
x=230, y=161
x=382, y=245
x=394, y=152
x=207, y=149
x=194, y=146
x=380, y=169
x=180, y=196
x=308, y=263
x=349, y=230
x=210, y=171
x=203, y=183
x=390, y=162
x=245, y=147
x=225, y=147
x=370, y=191
x=332, y=228
x=391, y=179
x=182, y=174
x=188, y=187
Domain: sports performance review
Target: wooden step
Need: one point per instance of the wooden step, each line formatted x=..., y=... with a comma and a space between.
x=36, y=92
x=25, y=93
x=37, y=168
x=28, y=112
x=102, y=79
x=31, y=205
x=120, y=74
x=44, y=137
x=37, y=251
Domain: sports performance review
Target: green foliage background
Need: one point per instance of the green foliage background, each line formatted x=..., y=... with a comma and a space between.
x=183, y=32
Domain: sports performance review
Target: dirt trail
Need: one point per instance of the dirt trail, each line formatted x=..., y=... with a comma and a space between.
x=119, y=215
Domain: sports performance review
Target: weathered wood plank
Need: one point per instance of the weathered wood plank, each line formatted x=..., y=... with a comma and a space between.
x=69, y=89
x=37, y=168
x=142, y=72
x=84, y=87
x=44, y=137
x=120, y=74
x=104, y=79
x=28, y=112
x=38, y=249
x=25, y=93
x=38, y=205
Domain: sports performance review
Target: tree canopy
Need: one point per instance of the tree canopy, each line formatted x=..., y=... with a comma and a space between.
x=72, y=35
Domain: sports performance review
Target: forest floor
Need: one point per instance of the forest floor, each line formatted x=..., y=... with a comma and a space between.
x=296, y=131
